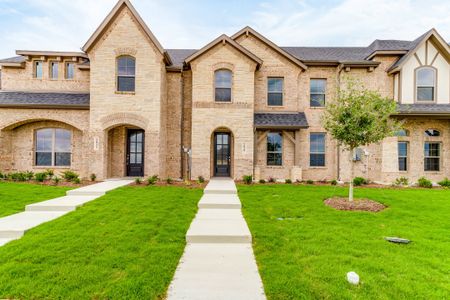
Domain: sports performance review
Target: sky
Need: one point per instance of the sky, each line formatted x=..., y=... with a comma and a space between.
x=65, y=25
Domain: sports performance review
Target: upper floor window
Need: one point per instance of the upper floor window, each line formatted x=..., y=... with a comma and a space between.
x=425, y=84
x=70, y=70
x=432, y=132
x=54, y=70
x=53, y=147
x=126, y=74
x=275, y=91
x=38, y=69
x=223, y=82
x=274, y=149
x=402, y=132
x=317, y=149
x=317, y=90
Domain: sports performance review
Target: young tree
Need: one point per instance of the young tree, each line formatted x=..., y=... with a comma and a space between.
x=359, y=117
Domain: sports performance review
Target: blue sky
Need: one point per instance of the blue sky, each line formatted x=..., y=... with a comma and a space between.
x=66, y=25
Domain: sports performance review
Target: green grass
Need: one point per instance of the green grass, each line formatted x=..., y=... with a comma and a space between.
x=15, y=196
x=309, y=255
x=125, y=245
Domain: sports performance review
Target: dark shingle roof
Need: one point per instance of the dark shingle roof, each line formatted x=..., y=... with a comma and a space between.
x=412, y=45
x=281, y=120
x=44, y=100
x=179, y=55
x=327, y=53
x=15, y=59
x=423, y=109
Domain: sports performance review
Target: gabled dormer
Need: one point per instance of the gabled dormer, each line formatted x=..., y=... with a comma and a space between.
x=422, y=74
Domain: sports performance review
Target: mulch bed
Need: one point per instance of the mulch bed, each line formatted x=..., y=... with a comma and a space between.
x=61, y=183
x=189, y=185
x=357, y=204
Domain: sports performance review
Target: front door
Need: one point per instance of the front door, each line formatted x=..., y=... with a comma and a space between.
x=135, y=153
x=222, y=154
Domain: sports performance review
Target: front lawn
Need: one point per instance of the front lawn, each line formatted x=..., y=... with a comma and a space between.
x=304, y=249
x=15, y=196
x=125, y=245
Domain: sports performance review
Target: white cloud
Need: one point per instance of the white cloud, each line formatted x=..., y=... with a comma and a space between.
x=66, y=25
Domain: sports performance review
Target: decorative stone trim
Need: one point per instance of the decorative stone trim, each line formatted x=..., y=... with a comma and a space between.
x=117, y=119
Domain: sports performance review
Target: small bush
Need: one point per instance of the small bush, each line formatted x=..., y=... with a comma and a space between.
x=40, y=177
x=247, y=179
x=76, y=180
x=2, y=176
x=401, y=181
x=70, y=175
x=29, y=175
x=18, y=176
x=138, y=180
x=201, y=179
x=152, y=180
x=56, y=180
x=288, y=181
x=425, y=183
x=93, y=177
x=358, y=181
x=50, y=172
x=309, y=181
x=445, y=183
x=334, y=182
x=271, y=180
x=169, y=180
x=262, y=181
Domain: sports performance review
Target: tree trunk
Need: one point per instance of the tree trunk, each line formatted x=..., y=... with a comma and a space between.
x=352, y=170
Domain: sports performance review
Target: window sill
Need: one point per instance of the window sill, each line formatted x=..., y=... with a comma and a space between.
x=274, y=167
x=324, y=167
x=317, y=107
x=124, y=93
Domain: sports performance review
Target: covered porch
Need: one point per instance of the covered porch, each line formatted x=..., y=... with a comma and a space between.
x=278, y=145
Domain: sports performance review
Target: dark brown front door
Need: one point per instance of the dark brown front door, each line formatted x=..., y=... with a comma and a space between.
x=135, y=152
x=222, y=154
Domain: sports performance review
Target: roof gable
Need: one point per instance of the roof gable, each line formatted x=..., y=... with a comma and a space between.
x=225, y=40
x=112, y=16
x=248, y=30
x=433, y=35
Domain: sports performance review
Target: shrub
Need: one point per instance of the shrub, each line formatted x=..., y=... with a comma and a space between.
x=358, y=181
x=247, y=179
x=152, y=180
x=70, y=175
x=138, y=180
x=40, y=177
x=334, y=182
x=262, y=181
x=201, y=179
x=401, y=181
x=309, y=181
x=169, y=180
x=271, y=180
x=19, y=176
x=445, y=182
x=29, y=175
x=76, y=180
x=425, y=183
x=2, y=176
x=93, y=177
x=56, y=180
x=50, y=172
x=288, y=181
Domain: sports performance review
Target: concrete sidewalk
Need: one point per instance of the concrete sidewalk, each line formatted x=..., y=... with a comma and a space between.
x=218, y=262
x=13, y=227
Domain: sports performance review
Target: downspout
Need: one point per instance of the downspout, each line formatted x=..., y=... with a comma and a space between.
x=183, y=176
x=338, y=148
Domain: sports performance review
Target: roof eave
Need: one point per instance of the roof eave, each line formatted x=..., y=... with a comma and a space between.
x=51, y=53
x=13, y=65
x=46, y=106
x=293, y=127
x=386, y=52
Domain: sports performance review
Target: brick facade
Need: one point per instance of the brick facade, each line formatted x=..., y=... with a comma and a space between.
x=176, y=109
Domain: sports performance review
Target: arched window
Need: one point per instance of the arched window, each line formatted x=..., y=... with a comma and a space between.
x=126, y=74
x=402, y=132
x=222, y=82
x=432, y=132
x=53, y=147
x=425, y=84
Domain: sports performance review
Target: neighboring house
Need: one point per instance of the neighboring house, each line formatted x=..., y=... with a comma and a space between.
x=126, y=106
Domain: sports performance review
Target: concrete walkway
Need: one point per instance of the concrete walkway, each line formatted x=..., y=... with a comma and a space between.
x=218, y=262
x=13, y=227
